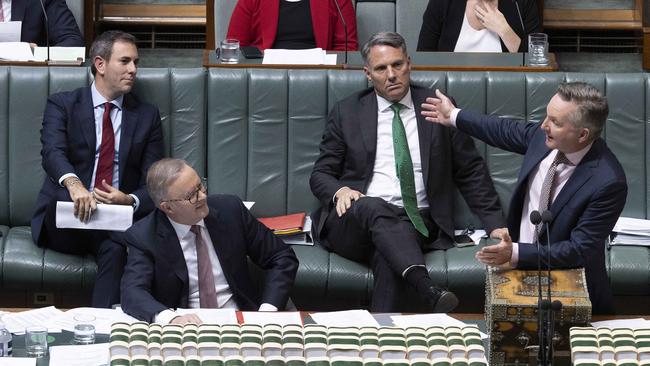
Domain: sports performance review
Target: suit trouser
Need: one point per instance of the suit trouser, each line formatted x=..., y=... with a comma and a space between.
x=381, y=233
x=105, y=246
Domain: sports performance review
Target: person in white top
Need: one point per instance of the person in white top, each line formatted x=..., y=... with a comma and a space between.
x=192, y=252
x=568, y=170
x=478, y=25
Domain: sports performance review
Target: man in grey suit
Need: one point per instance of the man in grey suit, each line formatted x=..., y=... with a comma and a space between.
x=386, y=180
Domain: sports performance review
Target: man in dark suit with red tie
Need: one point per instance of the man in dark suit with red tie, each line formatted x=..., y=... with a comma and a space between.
x=192, y=251
x=386, y=180
x=568, y=170
x=98, y=142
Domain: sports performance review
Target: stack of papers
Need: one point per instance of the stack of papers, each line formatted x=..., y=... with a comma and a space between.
x=15, y=51
x=631, y=231
x=312, y=56
x=56, y=320
x=293, y=229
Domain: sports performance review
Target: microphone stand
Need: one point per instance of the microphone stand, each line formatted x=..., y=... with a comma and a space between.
x=47, y=32
x=536, y=219
x=345, y=28
x=553, y=306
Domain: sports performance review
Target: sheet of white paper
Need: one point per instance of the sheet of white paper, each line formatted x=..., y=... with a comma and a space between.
x=103, y=319
x=428, y=320
x=348, y=318
x=78, y=355
x=15, y=51
x=107, y=217
x=212, y=316
x=330, y=59
x=17, y=361
x=271, y=317
x=249, y=204
x=637, y=323
x=630, y=224
x=312, y=56
x=60, y=53
x=16, y=322
x=10, y=31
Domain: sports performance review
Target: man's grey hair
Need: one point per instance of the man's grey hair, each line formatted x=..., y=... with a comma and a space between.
x=161, y=175
x=103, y=45
x=592, y=108
x=391, y=39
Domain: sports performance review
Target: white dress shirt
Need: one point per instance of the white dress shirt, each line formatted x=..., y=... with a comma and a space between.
x=472, y=40
x=384, y=182
x=116, y=120
x=225, y=298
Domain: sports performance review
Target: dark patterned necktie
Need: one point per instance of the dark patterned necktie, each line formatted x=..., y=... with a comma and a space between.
x=106, y=150
x=404, y=166
x=547, y=185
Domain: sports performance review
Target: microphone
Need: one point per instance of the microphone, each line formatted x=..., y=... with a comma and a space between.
x=345, y=28
x=536, y=219
x=547, y=217
x=523, y=28
x=47, y=31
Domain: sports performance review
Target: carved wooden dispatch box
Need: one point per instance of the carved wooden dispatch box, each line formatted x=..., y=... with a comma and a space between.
x=511, y=312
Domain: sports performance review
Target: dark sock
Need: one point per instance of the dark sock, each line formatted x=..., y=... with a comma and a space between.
x=418, y=277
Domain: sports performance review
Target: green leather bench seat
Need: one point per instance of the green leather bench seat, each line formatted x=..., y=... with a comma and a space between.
x=255, y=133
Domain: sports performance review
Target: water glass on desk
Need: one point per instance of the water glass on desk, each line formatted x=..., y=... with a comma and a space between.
x=36, y=341
x=84, y=329
x=229, y=51
x=537, y=49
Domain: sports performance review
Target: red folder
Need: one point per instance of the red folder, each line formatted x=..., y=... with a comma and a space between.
x=284, y=223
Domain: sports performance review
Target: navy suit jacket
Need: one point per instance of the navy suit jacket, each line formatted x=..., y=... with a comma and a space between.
x=63, y=29
x=449, y=161
x=584, y=212
x=155, y=277
x=69, y=143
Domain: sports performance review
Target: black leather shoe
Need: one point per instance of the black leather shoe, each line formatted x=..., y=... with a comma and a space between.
x=446, y=302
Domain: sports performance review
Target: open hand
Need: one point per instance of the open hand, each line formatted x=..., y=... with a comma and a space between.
x=438, y=109
x=496, y=255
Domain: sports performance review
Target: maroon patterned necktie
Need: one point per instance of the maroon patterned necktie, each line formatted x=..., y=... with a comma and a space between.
x=106, y=150
x=207, y=290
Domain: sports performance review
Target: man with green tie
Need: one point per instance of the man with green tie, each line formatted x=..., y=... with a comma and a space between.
x=386, y=178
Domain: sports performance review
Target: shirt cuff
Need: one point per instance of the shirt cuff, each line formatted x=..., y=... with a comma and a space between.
x=165, y=316
x=136, y=202
x=454, y=115
x=65, y=176
x=514, y=259
x=267, y=307
x=335, y=193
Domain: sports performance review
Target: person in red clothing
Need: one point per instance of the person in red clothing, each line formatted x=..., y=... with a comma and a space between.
x=293, y=24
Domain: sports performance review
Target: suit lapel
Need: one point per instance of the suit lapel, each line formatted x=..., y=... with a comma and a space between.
x=425, y=133
x=129, y=122
x=583, y=172
x=320, y=17
x=271, y=11
x=170, y=248
x=86, y=120
x=368, y=124
x=219, y=236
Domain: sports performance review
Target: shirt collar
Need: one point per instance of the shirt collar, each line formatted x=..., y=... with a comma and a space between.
x=576, y=157
x=182, y=229
x=383, y=104
x=99, y=99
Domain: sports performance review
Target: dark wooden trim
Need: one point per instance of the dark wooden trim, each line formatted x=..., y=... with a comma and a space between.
x=210, y=28
x=90, y=15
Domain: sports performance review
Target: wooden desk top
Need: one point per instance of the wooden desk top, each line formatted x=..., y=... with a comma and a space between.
x=421, y=61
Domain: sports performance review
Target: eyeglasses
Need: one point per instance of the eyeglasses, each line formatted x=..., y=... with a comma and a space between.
x=193, y=197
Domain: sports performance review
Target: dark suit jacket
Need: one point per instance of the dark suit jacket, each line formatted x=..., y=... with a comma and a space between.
x=584, y=212
x=255, y=23
x=63, y=29
x=68, y=138
x=443, y=20
x=449, y=161
x=155, y=277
